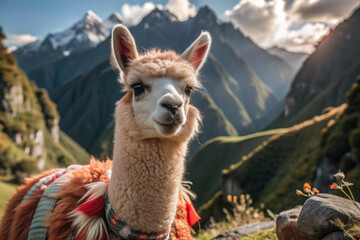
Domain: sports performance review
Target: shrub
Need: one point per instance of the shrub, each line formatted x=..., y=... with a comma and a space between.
x=346, y=163
x=349, y=122
x=26, y=165
x=336, y=146
x=64, y=161
x=48, y=107
x=355, y=143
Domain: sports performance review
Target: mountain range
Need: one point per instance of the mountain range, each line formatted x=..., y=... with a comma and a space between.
x=244, y=84
x=84, y=34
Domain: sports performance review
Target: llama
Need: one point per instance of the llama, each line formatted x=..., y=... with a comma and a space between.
x=138, y=195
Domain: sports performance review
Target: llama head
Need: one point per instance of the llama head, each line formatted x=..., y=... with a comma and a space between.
x=159, y=85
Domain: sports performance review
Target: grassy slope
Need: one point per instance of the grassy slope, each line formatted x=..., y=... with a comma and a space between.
x=275, y=170
x=6, y=191
x=73, y=148
x=217, y=154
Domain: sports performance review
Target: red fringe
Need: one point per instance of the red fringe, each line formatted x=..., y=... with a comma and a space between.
x=192, y=216
x=93, y=208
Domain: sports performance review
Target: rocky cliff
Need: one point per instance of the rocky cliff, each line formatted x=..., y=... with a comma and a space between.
x=30, y=138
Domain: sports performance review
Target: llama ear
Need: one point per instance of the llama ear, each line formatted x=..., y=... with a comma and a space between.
x=198, y=51
x=123, y=46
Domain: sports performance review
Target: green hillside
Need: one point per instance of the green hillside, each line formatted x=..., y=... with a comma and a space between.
x=30, y=138
x=204, y=169
x=274, y=170
x=7, y=190
x=340, y=142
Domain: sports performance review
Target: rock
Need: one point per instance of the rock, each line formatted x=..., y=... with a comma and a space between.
x=245, y=230
x=336, y=236
x=286, y=228
x=318, y=212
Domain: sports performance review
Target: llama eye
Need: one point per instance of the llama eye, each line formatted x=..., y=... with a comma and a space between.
x=138, y=88
x=188, y=90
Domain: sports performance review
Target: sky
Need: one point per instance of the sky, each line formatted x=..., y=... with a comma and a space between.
x=295, y=25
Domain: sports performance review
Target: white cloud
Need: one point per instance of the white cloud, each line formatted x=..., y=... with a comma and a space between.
x=303, y=40
x=182, y=9
x=20, y=39
x=133, y=14
x=265, y=22
x=325, y=11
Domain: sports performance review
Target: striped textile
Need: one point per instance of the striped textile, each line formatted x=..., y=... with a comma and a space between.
x=43, y=181
x=124, y=232
x=38, y=229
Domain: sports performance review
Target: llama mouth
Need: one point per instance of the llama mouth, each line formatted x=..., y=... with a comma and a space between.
x=166, y=124
x=167, y=128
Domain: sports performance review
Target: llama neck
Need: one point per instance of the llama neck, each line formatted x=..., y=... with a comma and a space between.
x=146, y=180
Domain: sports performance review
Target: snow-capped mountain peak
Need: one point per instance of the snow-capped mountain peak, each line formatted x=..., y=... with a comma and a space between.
x=91, y=16
x=111, y=21
x=86, y=33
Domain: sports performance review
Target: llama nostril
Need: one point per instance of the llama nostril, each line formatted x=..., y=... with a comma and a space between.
x=172, y=108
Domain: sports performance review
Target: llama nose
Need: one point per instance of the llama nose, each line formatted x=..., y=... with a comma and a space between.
x=172, y=108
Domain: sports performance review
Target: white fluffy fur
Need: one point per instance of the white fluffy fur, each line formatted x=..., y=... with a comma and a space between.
x=148, y=108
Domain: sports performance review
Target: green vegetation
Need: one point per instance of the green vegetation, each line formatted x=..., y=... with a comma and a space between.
x=7, y=190
x=217, y=154
x=74, y=149
x=347, y=128
x=263, y=235
x=47, y=106
x=237, y=211
x=355, y=143
x=63, y=155
x=26, y=116
x=274, y=170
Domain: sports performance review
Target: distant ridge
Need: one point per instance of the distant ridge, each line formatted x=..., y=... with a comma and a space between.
x=326, y=76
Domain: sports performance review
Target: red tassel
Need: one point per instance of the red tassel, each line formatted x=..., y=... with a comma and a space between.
x=82, y=235
x=192, y=216
x=92, y=208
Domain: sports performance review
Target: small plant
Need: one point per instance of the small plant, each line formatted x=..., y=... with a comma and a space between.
x=241, y=213
x=308, y=192
x=352, y=228
x=340, y=177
